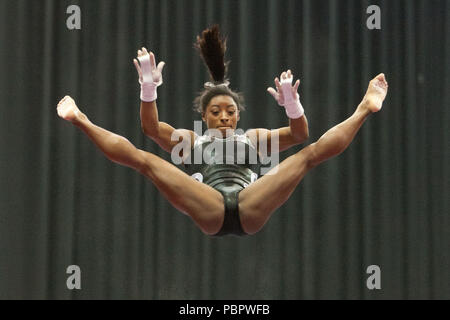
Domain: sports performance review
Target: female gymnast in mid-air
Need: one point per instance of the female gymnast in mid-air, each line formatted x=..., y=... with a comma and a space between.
x=225, y=198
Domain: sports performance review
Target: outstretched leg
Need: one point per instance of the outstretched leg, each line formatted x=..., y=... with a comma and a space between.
x=258, y=201
x=199, y=201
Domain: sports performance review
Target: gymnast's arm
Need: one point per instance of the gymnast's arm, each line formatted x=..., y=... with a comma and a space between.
x=297, y=133
x=160, y=132
x=150, y=77
x=286, y=95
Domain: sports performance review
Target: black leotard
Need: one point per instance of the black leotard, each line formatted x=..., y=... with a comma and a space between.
x=228, y=165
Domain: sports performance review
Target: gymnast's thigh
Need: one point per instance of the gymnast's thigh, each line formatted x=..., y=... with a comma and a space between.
x=202, y=203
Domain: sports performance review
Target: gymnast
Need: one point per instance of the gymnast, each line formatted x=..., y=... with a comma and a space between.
x=224, y=198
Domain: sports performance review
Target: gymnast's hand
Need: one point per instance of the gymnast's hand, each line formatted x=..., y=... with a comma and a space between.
x=150, y=75
x=286, y=77
x=147, y=70
x=287, y=96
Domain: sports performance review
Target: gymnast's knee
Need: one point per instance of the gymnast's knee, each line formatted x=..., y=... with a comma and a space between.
x=310, y=156
x=143, y=164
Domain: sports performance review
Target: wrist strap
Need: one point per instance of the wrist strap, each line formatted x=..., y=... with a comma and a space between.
x=294, y=110
x=148, y=92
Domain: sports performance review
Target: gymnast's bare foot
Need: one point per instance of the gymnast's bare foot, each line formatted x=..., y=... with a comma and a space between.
x=376, y=93
x=68, y=110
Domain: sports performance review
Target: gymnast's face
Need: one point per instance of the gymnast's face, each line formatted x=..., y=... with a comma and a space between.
x=222, y=114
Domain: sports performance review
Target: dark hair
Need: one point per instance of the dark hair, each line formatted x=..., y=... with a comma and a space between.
x=211, y=47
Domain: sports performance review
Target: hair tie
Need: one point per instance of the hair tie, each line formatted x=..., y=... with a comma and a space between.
x=210, y=85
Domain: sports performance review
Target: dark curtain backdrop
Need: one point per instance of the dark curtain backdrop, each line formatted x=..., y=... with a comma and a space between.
x=385, y=201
